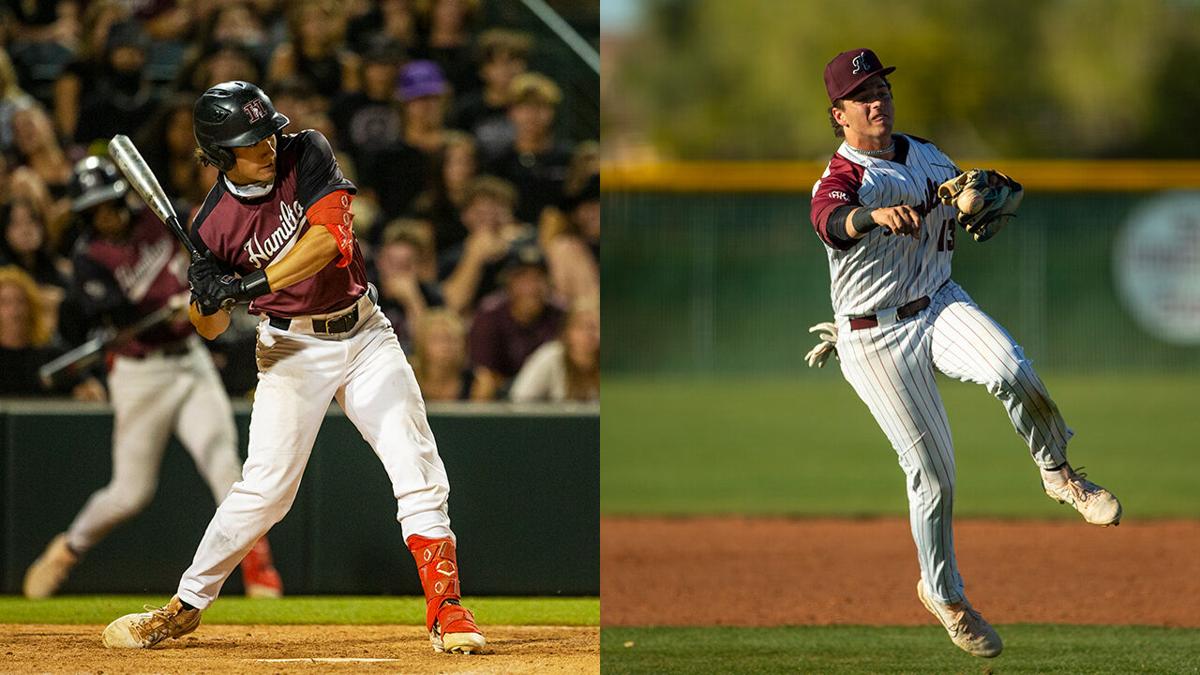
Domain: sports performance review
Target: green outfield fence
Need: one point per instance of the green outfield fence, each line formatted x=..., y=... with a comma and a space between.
x=715, y=268
x=524, y=488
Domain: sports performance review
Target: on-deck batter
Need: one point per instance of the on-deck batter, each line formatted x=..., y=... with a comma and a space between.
x=128, y=266
x=899, y=316
x=279, y=216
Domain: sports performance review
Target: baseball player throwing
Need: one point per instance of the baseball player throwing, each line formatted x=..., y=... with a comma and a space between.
x=163, y=381
x=279, y=216
x=886, y=208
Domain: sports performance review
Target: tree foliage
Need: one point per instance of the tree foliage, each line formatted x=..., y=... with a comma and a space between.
x=742, y=79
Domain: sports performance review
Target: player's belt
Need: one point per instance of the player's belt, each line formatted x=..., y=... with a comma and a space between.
x=343, y=323
x=902, y=312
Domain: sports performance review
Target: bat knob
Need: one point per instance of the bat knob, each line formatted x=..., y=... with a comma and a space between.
x=228, y=304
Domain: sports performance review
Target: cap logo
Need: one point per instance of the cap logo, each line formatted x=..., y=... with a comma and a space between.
x=255, y=110
x=860, y=64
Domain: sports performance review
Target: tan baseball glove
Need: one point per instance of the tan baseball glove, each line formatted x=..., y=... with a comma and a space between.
x=985, y=200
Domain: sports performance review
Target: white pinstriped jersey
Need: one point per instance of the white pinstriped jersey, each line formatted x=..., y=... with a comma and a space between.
x=882, y=271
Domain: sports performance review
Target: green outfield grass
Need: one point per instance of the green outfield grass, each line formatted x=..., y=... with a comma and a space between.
x=101, y=609
x=853, y=649
x=808, y=446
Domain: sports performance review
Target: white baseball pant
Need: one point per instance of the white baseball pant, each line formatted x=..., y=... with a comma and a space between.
x=299, y=373
x=891, y=367
x=151, y=398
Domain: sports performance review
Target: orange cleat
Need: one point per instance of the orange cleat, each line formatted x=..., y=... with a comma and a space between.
x=259, y=574
x=451, y=626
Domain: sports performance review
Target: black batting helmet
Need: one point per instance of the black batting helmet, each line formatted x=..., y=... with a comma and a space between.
x=232, y=115
x=96, y=180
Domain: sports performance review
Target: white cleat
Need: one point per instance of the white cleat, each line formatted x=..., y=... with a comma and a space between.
x=144, y=630
x=1097, y=505
x=967, y=628
x=457, y=643
x=50, y=570
x=454, y=631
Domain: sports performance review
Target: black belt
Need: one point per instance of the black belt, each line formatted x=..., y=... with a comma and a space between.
x=902, y=312
x=342, y=324
x=339, y=324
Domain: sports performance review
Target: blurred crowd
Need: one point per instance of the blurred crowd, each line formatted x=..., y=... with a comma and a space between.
x=479, y=221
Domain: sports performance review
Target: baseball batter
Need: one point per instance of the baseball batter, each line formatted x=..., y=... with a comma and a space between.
x=899, y=316
x=279, y=216
x=163, y=381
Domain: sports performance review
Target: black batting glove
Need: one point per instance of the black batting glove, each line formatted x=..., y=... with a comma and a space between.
x=203, y=270
x=224, y=291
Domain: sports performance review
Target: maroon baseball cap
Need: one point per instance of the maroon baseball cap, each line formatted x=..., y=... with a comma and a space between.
x=848, y=70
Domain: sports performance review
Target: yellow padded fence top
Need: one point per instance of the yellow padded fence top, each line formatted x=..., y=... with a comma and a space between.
x=1046, y=175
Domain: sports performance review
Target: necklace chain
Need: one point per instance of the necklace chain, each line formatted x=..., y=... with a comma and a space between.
x=874, y=153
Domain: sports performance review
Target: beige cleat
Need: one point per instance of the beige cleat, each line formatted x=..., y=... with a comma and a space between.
x=455, y=631
x=142, y=631
x=1097, y=505
x=50, y=570
x=970, y=631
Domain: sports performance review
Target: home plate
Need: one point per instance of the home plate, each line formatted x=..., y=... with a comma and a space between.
x=342, y=659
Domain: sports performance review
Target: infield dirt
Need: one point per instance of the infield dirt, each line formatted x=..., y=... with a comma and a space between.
x=774, y=571
x=300, y=649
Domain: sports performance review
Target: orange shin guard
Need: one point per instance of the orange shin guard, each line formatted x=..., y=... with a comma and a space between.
x=437, y=566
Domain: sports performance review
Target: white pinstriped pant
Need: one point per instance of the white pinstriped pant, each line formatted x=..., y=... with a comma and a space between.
x=891, y=367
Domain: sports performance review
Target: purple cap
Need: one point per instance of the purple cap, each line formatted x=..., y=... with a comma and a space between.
x=848, y=70
x=420, y=78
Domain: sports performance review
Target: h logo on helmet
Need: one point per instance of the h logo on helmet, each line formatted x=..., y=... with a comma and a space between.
x=860, y=64
x=255, y=110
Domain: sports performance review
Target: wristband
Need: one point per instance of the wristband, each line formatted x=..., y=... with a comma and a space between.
x=862, y=222
x=253, y=285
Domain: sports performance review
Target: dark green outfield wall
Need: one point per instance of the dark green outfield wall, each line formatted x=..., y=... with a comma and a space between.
x=722, y=283
x=524, y=504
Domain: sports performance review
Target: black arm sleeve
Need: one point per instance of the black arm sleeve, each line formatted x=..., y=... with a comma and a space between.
x=836, y=226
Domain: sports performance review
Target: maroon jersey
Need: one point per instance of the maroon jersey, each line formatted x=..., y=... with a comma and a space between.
x=118, y=281
x=247, y=234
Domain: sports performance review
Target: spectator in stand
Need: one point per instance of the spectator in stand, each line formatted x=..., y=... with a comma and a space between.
x=570, y=235
x=512, y=324
x=401, y=171
x=41, y=36
x=566, y=369
x=13, y=99
x=439, y=357
x=471, y=269
x=535, y=162
x=24, y=334
x=370, y=119
x=236, y=23
x=399, y=21
x=424, y=91
x=443, y=202
x=169, y=146
x=24, y=245
x=49, y=172
x=448, y=42
x=503, y=55
x=220, y=62
x=297, y=98
x=316, y=49
x=403, y=270
x=77, y=83
x=122, y=99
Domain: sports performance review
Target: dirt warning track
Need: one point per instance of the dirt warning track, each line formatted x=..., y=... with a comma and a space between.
x=774, y=571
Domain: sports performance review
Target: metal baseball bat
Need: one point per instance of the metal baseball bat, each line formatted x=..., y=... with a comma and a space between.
x=82, y=357
x=126, y=156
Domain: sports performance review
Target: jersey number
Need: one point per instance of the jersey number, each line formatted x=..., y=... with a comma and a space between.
x=946, y=237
